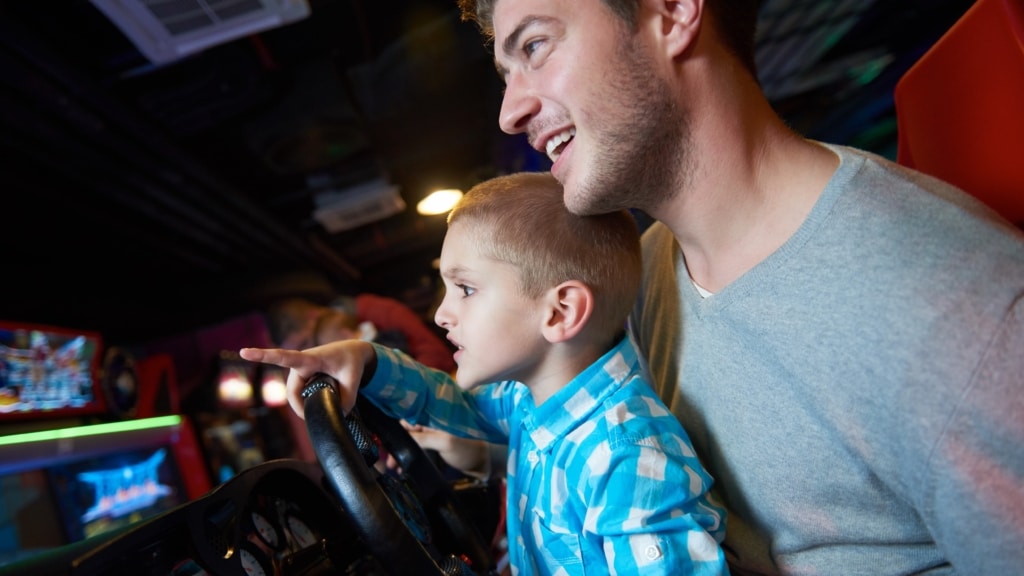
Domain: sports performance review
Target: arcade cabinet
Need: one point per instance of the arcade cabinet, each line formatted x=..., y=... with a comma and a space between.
x=74, y=461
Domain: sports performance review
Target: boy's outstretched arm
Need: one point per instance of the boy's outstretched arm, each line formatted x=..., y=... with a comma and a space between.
x=346, y=361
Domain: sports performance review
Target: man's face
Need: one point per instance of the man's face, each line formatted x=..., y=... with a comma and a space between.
x=590, y=93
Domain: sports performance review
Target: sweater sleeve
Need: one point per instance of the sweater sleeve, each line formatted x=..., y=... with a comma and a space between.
x=978, y=463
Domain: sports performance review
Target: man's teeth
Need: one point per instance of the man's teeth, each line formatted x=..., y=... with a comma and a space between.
x=557, y=141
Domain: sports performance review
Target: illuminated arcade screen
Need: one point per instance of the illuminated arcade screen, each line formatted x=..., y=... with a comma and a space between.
x=47, y=371
x=107, y=492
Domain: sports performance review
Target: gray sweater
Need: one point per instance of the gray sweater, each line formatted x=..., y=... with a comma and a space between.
x=858, y=395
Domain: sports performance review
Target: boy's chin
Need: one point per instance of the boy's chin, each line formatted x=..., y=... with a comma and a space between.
x=466, y=379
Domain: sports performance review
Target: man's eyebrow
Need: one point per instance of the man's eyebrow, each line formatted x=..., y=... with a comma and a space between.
x=508, y=47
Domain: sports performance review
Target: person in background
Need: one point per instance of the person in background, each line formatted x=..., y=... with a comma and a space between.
x=601, y=477
x=299, y=323
x=843, y=337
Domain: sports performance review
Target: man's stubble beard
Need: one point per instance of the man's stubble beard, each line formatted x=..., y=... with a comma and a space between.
x=642, y=157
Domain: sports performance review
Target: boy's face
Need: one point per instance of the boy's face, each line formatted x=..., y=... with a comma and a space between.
x=496, y=330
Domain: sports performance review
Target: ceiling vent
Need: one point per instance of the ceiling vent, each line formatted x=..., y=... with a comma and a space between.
x=168, y=30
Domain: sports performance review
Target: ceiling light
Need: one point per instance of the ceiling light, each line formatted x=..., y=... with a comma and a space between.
x=439, y=202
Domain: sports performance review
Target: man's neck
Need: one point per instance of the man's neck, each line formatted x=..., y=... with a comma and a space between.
x=750, y=192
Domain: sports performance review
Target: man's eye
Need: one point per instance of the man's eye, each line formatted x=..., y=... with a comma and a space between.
x=531, y=47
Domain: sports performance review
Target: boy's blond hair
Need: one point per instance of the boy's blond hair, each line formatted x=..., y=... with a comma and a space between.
x=521, y=219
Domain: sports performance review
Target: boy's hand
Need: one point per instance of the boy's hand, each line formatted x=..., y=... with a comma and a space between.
x=345, y=361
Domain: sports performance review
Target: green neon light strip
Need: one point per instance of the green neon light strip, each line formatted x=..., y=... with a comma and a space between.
x=93, y=430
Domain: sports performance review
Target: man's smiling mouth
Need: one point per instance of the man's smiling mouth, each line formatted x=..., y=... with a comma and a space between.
x=557, y=143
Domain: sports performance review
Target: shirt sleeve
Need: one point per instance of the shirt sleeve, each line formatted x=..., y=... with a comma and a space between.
x=405, y=389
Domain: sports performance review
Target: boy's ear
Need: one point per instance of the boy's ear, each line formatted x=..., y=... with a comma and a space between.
x=570, y=305
x=677, y=21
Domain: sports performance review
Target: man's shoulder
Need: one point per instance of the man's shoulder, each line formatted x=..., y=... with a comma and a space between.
x=881, y=200
x=886, y=178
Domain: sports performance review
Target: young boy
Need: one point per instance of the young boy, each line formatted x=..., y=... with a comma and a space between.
x=601, y=476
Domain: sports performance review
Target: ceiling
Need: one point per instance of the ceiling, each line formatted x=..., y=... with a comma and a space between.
x=141, y=200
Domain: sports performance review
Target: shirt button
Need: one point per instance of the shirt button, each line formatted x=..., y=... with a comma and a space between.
x=653, y=552
x=532, y=458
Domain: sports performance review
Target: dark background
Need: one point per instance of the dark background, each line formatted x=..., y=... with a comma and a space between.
x=143, y=200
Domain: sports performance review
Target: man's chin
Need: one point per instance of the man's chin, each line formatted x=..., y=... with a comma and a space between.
x=581, y=206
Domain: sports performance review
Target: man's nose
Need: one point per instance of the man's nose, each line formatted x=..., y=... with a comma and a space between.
x=518, y=105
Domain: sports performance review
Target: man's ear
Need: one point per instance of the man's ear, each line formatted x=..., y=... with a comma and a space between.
x=570, y=305
x=677, y=22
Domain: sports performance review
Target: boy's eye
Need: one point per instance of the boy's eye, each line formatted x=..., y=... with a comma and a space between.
x=466, y=290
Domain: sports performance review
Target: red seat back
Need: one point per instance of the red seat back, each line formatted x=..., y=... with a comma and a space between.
x=960, y=108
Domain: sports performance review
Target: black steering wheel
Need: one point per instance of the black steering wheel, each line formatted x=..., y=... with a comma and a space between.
x=412, y=522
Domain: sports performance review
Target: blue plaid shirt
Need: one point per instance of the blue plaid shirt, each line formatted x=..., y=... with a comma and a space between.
x=602, y=478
